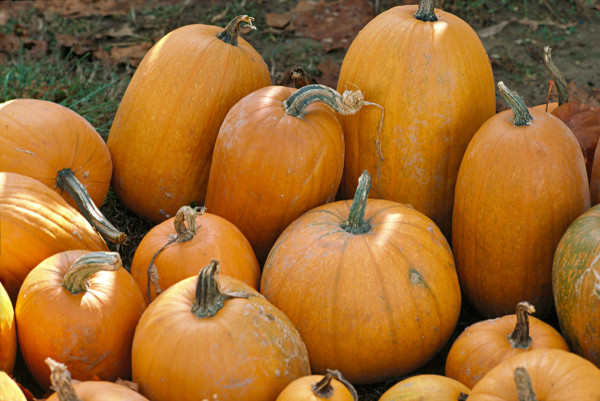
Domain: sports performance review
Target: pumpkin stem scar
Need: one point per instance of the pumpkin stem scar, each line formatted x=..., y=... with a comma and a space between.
x=559, y=78
x=231, y=32
x=520, y=336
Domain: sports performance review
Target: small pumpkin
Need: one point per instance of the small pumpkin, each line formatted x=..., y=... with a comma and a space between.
x=172, y=251
x=35, y=223
x=9, y=390
x=426, y=387
x=330, y=387
x=485, y=344
x=8, y=333
x=214, y=337
x=81, y=308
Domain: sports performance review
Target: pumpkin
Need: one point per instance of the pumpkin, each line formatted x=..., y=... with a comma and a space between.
x=81, y=308
x=555, y=375
x=576, y=285
x=521, y=183
x=9, y=390
x=261, y=191
x=66, y=390
x=8, y=333
x=35, y=223
x=214, y=337
x=428, y=69
x=485, y=344
x=163, y=135
x=58, y=147
x=370, y=286
x=174, y=251
x=331, y=387
x=426, y=387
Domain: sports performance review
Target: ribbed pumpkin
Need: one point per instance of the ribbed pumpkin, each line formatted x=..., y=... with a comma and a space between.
x=180, y=246
x=279, y=153
x=369, y=284
x=576, y=285
x=214, y=337
x=521, y=184
x=81, y=308
x=163, y=135
x=426, y=387
x=485, y=344
x=9, y=390
x=8, y=333
x=329, y=387
x=35, y=223
x=58, y=147
x=430, y=72
x=555, y=375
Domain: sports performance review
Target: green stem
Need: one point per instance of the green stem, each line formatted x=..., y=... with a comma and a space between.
x=426, y=11
x=231, y=32
x=524, y=387
x=356, y=223
x=559, y=78
x=521, y=113
x=520, y=336
x=61, y=381
x=348, y=103
x=324, y=389
x=67, y=181
x=77, y=278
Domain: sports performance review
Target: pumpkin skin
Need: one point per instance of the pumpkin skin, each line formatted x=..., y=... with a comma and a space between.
x=556, y=375
x=303, y=172
x=215, y=238
x=437, y=90
x=9, y=390
x=425, y=387
x=163, y=135
x=248, y=350
x=8, y=333
x=518, y=189
x=484, y=345
x=575, y=273
x=102, y=391
x=91, y=332
x=318, y=388
x=374, y=305
x=35, y=223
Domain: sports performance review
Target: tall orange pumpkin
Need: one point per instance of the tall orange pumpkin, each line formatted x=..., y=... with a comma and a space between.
x=521, y=183
x=430, y=72
x=8, y=333
x=35, y=223
x=163, y=135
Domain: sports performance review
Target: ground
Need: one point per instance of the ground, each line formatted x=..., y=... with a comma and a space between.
x=82, y=54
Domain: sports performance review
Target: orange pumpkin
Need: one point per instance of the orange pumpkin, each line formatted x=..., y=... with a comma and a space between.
x=370, y=286
x=215, y=337
x=521, y=183
x=35, y=223
x=426, y=387
x=79, y=307
x=178, y=251
x=163, y=135
x=485, y=344
x=8, y=333
x=9, y=390
x=430, y=72
x=329, y=387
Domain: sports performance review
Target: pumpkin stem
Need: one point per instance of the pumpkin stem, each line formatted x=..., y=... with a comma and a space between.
x=559, y=78
x=183, y=233
x=324, y=389
x=520, y=336
x=425, y=11
x=524, y=387
x=67, y=181
x=521, y=113
x=61, y=381
x=232, y=31
x=209, y=295
x=356, y=223
x=462, y=397
x=77, y=278
x=301, y=78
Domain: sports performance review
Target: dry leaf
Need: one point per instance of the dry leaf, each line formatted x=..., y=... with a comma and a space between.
x=9, y=43
x=278, y=20
x=330, y=72
x=120, y=32
x=581, y=95
x=132, y=54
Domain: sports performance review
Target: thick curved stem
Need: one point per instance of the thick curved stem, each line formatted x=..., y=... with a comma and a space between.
x=324, y=389
x=231, y=32
x=348, y=103
x=520, y=336
x=559, y=78
x=61, y=381
x=77, y=278
x=67, y=181
x=521, y=113
x=425, y=11
x=524, y=387
x=356, y=223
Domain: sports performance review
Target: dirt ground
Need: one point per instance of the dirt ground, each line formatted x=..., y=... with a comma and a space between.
x=115, y=34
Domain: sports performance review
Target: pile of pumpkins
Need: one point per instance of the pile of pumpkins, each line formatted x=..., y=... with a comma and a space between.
x=323, y=245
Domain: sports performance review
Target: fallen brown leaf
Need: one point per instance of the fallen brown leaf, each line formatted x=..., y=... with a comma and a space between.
x=120, y=32
x=278, y=20
x=330, y=72
x=581, y=95
x=133, y=55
